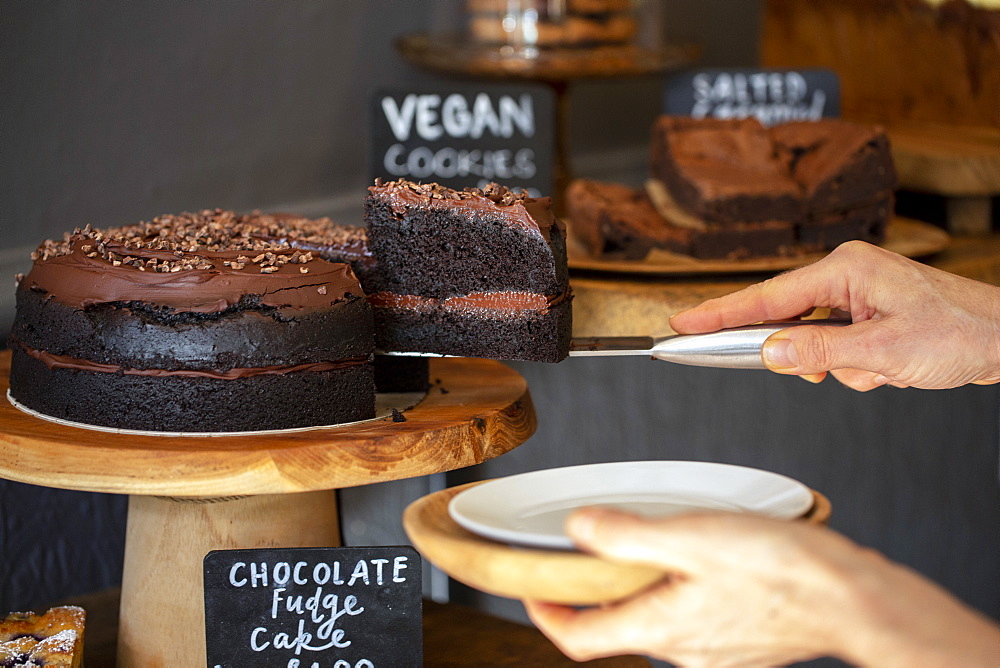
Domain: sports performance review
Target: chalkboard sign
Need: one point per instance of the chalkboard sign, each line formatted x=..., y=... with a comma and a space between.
x=340, y=607
x=770, y=95
x=465, y=136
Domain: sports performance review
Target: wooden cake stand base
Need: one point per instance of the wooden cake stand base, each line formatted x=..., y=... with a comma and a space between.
x=191, y=495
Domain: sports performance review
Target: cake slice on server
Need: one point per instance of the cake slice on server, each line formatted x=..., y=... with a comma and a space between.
x=472, y=273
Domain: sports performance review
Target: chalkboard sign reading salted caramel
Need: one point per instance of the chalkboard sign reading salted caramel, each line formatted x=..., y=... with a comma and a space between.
x=343, y=607
x=771, y=96
x=465, y=136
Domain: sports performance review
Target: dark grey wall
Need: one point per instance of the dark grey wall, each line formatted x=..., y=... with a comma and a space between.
x=117, y=111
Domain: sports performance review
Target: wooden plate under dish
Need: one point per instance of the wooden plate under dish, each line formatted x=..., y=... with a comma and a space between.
x=911, y=238
x=571, y=578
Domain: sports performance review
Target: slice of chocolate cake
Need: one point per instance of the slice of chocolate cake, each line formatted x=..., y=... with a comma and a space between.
x=191, y=323
x=474, y=273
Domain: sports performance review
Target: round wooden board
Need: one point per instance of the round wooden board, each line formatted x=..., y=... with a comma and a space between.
x=570, y=578
x=485, y=411
x=905, y=236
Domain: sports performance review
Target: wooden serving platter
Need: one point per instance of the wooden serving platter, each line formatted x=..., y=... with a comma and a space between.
x=570, y=578
x=905, y=236
x=484, y=410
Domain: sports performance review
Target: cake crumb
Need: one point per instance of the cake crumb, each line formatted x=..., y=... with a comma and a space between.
x=397, y=416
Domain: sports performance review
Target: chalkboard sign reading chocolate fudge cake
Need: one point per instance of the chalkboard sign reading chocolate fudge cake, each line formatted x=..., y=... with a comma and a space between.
x=191, y=323
x=474, y=272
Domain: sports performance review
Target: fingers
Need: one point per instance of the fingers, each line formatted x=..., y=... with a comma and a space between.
x=788, y=295
x=577, y=633
x=628, y=626
x=682, y=545
x=860, y=380
x=624, y=537
x=813, y=350
x=827, y=283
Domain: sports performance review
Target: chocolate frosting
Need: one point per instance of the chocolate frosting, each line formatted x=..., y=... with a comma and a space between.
x=534, y=215
x=200, y=263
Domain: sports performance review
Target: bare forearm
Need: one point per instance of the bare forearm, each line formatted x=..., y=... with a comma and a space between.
x=898, y=618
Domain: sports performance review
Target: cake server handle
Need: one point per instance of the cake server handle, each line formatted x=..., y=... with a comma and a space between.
x=736, y=348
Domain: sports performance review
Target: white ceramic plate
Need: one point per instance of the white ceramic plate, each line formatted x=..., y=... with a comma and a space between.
x=530, y=508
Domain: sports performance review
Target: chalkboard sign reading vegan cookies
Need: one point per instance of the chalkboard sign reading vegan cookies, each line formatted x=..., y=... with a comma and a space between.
x=771, y=96
x=465, y=136
x=342, y=607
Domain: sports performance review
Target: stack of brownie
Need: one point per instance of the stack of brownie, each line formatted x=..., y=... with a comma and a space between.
x=735, y=189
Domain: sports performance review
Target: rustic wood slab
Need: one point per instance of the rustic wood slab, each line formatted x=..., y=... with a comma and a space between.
x=911, y=238
x=484, y=411
x=946, y=160
x=572, y=578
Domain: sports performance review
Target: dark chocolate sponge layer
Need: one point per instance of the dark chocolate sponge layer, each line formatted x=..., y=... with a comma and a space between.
x=401, y=374
x=194, y=404
x=434, y=252
x=141, y=337
x=529, y=335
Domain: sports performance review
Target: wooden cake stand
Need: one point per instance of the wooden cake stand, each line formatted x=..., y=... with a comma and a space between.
x=191, y=495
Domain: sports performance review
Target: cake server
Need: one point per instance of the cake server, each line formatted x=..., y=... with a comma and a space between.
x=736, y=348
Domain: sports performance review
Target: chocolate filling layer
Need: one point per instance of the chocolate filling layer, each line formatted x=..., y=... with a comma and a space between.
x=497, y=301
x=66, y=362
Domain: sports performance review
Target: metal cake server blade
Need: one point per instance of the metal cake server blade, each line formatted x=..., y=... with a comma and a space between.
x=736, y=348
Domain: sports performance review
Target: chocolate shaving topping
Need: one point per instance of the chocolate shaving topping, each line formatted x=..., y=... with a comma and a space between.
x=195, y=241
x=494, y=192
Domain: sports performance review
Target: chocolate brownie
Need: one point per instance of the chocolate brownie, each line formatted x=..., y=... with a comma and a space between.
x=724, y=171
x=614, y=220
x=825, y=230
x=191, y=323
x=474, y=272
x=617, y=221
x=838, y=164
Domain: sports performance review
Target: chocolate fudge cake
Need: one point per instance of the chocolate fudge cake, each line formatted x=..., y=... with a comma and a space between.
x=51, y=639
x=473, y=273
x=735, y=189
x=193, y=323
x=349, y=244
